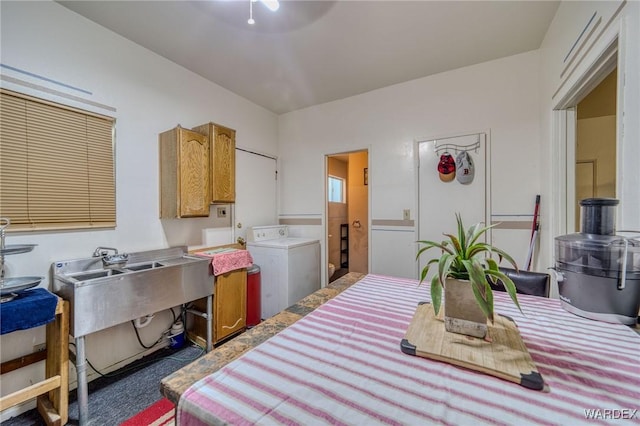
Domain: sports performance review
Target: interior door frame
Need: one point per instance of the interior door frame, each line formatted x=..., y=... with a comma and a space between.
x=324, y=253
x=564, y=125
x=487, y=178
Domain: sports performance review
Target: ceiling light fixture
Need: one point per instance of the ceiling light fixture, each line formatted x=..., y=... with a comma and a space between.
x=251, y=20
x=272, y=5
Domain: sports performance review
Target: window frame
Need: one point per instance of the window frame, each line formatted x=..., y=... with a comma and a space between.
x=69, y=184
x=343, y=187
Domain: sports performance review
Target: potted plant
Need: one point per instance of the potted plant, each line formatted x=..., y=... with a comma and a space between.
x=464, y=269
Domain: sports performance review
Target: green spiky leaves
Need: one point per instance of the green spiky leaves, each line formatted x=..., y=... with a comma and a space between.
x=464, y=257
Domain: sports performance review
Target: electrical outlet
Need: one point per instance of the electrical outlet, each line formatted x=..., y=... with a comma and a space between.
x=222, y=212
x=406, y=214
x=39, y=347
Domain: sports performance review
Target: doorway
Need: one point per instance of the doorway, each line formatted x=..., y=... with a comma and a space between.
x=596, y=151
x=256, y=192
x=347, y=207
x=575, y=173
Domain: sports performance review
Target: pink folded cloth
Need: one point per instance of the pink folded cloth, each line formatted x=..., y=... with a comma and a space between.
x=224, y=261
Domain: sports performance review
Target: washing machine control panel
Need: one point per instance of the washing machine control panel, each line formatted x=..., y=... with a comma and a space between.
x=263, y=233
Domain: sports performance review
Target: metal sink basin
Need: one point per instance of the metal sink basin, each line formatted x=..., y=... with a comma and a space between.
x=84, y=276
x=149, y=282
x=143, y=266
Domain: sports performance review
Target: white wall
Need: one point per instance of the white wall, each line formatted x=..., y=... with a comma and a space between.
x=512, y=97
x=150, y=95
x=500, y=96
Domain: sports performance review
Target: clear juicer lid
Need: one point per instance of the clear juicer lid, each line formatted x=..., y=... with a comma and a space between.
x=599, y=252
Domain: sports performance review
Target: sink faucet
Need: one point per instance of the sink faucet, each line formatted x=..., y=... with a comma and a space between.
x=102, y=251
x=113, y=260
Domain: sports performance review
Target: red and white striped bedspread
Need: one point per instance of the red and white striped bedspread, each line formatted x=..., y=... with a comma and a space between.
x=342, y=364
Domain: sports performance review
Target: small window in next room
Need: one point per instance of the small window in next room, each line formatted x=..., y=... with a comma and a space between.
x=336, y=190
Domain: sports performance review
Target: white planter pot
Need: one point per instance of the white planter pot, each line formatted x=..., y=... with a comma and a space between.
x=462, y=314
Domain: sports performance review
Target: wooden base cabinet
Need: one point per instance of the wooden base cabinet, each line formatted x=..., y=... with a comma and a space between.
x=222, y=142
x=229, y=308
x=184, y=174
x=230, y=304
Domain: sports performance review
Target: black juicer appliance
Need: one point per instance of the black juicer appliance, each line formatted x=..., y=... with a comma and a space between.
x=598, y=270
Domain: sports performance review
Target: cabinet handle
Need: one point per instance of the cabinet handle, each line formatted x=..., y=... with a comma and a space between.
x=234, y=325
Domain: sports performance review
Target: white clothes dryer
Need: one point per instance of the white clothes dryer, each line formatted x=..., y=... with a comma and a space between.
x=289, y=266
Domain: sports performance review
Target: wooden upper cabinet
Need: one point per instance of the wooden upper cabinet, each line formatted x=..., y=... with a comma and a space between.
x=184, y=174
x=223, y=161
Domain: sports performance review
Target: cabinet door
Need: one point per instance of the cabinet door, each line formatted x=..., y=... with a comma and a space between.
x=222, y=141
x=223, y=162
x=184, y=174
x=193, y=153
x=230, y=304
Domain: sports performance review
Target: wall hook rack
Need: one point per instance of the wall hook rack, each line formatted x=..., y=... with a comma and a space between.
x=446, y=147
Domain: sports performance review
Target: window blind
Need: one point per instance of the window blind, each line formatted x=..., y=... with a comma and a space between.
x=56, y=166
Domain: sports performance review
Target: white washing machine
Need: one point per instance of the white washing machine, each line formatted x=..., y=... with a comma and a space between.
x=289, y=266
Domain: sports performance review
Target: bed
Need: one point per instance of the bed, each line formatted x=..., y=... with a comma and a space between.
x=342, y=364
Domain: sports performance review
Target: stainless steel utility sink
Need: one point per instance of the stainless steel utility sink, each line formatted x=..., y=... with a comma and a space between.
x=151, y=281
x=104, y=294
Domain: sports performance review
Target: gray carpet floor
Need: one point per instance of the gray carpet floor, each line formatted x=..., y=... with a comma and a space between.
x=123, y=393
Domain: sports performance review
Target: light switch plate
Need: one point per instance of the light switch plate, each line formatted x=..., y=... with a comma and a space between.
x=406, y=214
x=222, y=212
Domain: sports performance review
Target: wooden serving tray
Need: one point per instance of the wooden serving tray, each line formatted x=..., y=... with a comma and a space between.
x=502, y=354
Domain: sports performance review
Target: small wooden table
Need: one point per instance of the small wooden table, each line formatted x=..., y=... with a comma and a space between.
x=53, y=391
